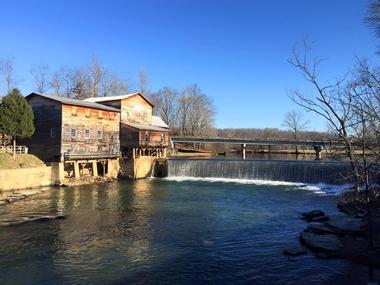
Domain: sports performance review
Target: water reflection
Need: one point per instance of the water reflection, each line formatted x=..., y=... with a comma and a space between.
x=157, y=231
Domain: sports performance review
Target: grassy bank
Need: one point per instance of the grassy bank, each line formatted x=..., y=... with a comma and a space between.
x=20, y=161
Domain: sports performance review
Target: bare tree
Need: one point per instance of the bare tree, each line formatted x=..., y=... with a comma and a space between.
x=195, y=112
x=295, y=122
x=112, y=85
x=40, y=74
x=166, y=105
x=330, y=101
x=143, y=81
x=373, y=17
x=7, y=72
x=96, y=75
x=80, y=81
x=56, y=82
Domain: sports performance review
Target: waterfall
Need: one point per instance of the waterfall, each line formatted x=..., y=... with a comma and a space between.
x=274, y=170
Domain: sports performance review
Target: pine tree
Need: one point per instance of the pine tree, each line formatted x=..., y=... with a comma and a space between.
x=16, y=116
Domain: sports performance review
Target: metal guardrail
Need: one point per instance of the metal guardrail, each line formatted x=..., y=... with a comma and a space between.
x=178, y=139
x=20, y=149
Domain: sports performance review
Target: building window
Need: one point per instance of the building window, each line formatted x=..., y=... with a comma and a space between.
x=74, y=110
x=100, y=115
x=73, y=133
x=87, y=133
x=162, y=138
x=88, y=113
x=53, y=132
x=112, y=116
x=100, y=135
x=146, y=136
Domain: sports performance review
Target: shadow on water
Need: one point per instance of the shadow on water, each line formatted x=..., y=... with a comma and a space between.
x=157, y=231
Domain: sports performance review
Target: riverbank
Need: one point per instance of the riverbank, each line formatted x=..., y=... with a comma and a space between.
x=7, y=161
x=353, y=233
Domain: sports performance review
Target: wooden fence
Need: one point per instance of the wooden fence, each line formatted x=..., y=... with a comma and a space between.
x=20, y=149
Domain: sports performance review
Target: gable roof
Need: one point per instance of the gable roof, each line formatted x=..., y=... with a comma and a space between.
x=74, y=102
x=118, y=97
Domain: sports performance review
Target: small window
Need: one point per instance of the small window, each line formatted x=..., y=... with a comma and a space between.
x=73, y=133
x=112, y=116
x=88, y=113
x=74, y=110
x=53, y=132
x=100, y=135
x=146, y=136
x=100, y=115
x=87, y=133
x=162, y=138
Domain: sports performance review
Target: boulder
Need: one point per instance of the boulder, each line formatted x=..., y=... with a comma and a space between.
x=294, y=251
x=312, y=214
x=320, y=228
x=345, y=225
x=326, y=242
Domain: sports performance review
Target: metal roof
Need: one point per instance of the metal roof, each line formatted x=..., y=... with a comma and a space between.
x=145, y=127
x=115, y=98
x=75, y=102
x=157, y=121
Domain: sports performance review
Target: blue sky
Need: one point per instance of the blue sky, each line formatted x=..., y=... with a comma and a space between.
x=235, y=50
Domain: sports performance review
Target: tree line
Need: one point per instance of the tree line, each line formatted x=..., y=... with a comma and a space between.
x=188, y=111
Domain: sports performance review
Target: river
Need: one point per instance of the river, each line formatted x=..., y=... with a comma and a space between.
x=176, y=231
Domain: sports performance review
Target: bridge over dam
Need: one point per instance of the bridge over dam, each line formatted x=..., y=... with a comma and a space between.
x=317, y=145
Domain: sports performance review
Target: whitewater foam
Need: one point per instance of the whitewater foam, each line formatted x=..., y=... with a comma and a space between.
x=320, y=188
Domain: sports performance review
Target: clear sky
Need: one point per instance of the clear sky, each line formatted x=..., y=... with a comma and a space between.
x=235, y=50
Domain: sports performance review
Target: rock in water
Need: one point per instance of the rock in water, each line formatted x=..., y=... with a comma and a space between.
x=312, y=215
x=326, y=242
x=294, y=251
x=320, y=228
x=345, y=225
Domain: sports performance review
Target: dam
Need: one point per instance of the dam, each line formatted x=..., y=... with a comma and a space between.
x=311, y=172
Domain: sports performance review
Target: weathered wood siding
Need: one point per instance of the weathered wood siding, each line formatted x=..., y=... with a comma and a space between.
x=154, y=138
x=131, y=137
x=136, y=109
x=88, y=123
x=46, y=140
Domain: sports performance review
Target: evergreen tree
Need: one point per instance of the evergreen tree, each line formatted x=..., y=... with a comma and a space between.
x=16, y=116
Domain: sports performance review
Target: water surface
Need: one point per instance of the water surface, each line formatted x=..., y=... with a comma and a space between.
x=168, y=232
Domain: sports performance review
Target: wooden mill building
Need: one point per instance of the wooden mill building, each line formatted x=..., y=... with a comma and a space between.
x=82, y=135
x=141, y=133
x=143, y=136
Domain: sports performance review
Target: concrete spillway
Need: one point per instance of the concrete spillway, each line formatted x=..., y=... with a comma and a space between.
x=275, y=170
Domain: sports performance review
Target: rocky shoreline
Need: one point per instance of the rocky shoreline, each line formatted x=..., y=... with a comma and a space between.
x=349, y=233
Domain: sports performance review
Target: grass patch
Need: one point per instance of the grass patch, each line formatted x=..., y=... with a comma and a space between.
x=21, y=161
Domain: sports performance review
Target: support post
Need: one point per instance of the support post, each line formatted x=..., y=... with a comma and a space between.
x=318, y=149
x=243, y=150
x=76, y=170
x=94, y=168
